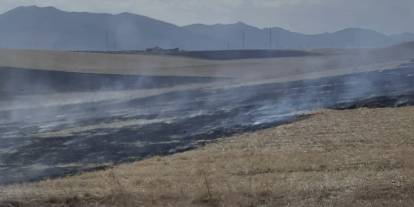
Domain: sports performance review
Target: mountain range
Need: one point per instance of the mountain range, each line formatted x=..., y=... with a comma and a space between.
x=33, y=27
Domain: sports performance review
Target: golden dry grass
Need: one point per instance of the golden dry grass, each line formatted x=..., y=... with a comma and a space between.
x=358, y=157
x=257, y=69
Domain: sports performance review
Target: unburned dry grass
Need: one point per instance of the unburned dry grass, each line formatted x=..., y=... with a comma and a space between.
x=358, y=157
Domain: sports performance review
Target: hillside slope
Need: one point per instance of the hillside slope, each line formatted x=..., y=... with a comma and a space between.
x=358, y=157
x=323, y=63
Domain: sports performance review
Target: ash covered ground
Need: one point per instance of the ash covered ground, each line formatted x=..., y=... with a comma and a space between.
x=57, y=140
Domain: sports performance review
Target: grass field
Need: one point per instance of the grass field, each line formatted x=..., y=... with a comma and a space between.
x=239, y=72
x=328, y=62
x=359, y=157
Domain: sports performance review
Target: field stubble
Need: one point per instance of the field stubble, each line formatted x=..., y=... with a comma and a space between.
x=357, y=157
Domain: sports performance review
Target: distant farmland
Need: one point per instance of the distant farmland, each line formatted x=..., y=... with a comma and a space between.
x=299, y=64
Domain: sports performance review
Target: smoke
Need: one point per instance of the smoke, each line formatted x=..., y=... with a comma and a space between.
x=98, y=112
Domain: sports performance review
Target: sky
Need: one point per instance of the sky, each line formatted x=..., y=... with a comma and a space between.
x=306, y=16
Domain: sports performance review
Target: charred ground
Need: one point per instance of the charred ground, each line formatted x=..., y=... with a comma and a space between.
x=19, y=81
x=73, y=138
x=222, y=54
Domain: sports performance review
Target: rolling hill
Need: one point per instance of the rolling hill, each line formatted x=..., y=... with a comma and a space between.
x=53, y=29
x=50, y=28
x=240, y=35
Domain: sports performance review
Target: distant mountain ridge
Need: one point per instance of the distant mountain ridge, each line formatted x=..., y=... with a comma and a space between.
x=50, y=28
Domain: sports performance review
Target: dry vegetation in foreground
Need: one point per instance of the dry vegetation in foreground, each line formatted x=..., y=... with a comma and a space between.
x=335, y=158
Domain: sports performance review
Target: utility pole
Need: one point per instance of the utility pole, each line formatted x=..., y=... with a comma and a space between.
x=107, y=40
x=115, y=43
x=270, y=38
x=244, y=39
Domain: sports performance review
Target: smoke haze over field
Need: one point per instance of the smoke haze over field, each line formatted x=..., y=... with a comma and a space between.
x=74, y=111
x=307, y=16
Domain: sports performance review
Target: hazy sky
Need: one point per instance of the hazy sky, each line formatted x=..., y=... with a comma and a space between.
x=308, y=16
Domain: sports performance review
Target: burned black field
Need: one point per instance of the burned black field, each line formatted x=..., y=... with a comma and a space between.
x=60, y=140
x=221, y=54
x=20, y=81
